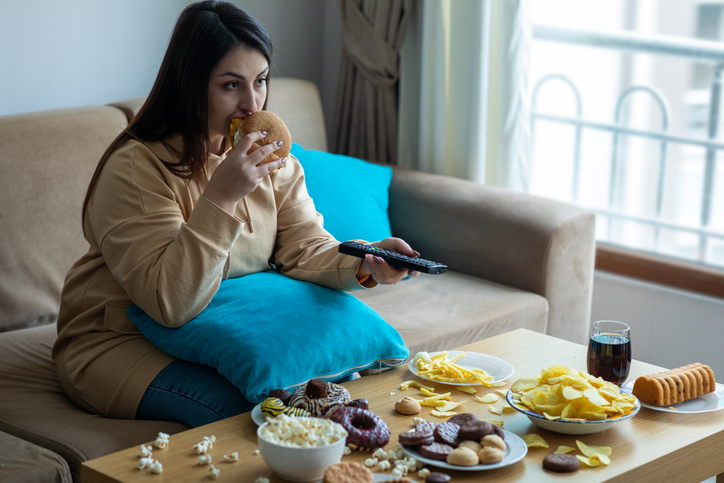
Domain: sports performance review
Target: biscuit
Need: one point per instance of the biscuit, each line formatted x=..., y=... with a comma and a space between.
x=561, y=463
x=436, y=477
x=447, y=433
x=473, y=445
x=408, y=405
x=416, y=437
x=489, y=455
x=462, y=457
x=348, y=471
x=435, y=451
x=493, y=440
x=461, y=418
x=474, y=430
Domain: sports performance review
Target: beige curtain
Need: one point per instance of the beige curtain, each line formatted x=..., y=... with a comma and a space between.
x=365, y=117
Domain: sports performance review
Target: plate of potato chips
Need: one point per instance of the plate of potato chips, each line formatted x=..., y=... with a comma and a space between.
x=568, y=401
x=460, y=368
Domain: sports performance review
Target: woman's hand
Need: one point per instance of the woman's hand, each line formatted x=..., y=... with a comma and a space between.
x=240, y=173
x=380, y=270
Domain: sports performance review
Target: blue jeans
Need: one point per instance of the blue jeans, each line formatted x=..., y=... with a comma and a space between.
x=193, y=394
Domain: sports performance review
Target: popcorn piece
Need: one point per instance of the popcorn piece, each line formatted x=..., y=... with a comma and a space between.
x=347, y=451
x=256, y=452
x=156, y=467
x=384, y=465
x=371, y=462
x=380, y=454
x=210, y=440
x=161, y=441
x=214, y=472
x=231, y=457
x=204, y=459
x=423, y=473
x=144, y=462
x=397, y=472
x=417, y=421
x=146, y=451
x=261, y=480
x=201, y=447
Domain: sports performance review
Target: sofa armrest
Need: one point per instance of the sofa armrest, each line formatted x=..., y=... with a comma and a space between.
x=514, y=239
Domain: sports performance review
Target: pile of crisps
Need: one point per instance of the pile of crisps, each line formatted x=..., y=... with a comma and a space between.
x=567, y=394
x=440, y=368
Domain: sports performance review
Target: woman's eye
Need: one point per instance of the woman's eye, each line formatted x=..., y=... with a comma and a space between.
x=261, y=81
x=232, y=85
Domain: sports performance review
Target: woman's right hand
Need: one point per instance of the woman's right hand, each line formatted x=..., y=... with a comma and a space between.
x=240, y=173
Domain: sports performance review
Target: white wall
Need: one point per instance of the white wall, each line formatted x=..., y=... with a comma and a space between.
x=67, y=53
x=669, y=327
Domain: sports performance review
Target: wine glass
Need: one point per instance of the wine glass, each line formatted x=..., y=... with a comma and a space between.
x=609, y=351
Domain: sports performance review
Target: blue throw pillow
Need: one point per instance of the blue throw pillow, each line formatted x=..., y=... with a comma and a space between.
x=351, y=194
x=267, y=331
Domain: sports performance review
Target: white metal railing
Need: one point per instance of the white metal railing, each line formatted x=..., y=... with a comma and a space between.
x=695, y=50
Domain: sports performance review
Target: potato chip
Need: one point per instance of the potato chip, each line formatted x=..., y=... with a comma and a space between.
x=442, y=414
x=525, y=384
x=496, y=422
x=434, y=396
x=466, y=389
x=564, y=450
x=593, y=450
x=498, y=384
x=488, y=398
x=571, y=393
x=436, y=403
x=507, y=408
x=534, y=440
x=494, y=410
x=404, y=385
x=502, y=392
x=549, y=417
x=449, y=406
x=595, y=398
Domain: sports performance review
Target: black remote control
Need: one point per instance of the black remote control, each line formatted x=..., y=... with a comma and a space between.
x=393, y=258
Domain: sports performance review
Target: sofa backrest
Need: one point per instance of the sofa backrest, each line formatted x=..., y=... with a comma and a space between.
x=46, y=161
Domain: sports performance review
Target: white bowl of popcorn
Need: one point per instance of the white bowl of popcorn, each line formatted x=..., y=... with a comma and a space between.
x=299, y=448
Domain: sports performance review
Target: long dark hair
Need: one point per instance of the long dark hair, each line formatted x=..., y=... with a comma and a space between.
x=178, y=103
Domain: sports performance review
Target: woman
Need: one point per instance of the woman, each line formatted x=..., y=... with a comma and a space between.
x=171, y=211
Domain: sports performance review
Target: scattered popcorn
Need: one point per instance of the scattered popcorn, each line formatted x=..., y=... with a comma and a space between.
x=204, y=459
x=156, y=467
x=232, y=457
x=347, y=451
x=423, y=473
x=201, y=447
x=371, y=462
x=261, y=480
x=392, y=394
x=146, y=451
x=161, y=440
x=417, y=421
x=380, y=454
x=397, y=473
x=214, y=472
x=256, y=452
x=211, y=440
x=384, y=465
x=302, y=432
x=144, y=462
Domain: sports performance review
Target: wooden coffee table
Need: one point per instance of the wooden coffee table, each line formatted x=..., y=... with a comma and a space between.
x=652, y=446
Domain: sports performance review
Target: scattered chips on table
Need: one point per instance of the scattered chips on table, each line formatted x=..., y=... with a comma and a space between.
x=507, y=408
x=440, y=368
x=496, y=422
x=442, y=414
x=567, y=394
x=488, y=398
x=466, y=389
x=498, y=384
x=534, y=440
x=594, y=455
x=564, y=450
x=449, y=406
x=406, y=384
x=502, y=392
x=494, y=410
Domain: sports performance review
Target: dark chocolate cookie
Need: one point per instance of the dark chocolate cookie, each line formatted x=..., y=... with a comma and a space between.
x=461, y=418
x=498, y=430
x=425, y=426
x=282, y=394
x=447, y=433
x=416, y=438
x=435, y=451
x=359, y=403
x=436, y=477
x=475, y=430
x=561, y=463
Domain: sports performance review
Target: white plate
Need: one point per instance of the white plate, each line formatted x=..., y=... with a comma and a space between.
x=713, y=401
x=571, y=427
x=257, y=416
x=515, y=451
x=493, y=366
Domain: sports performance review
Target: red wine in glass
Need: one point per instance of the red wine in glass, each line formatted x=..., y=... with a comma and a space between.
x=609, y=351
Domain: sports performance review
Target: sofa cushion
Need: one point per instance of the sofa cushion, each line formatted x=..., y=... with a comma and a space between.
x=266, y=331
x=42, y=187
x=474, y=309
x=21, y=461
x=351, y=194
x=34, y=407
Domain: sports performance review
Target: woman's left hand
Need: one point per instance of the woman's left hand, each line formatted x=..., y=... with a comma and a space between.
x=380, y=270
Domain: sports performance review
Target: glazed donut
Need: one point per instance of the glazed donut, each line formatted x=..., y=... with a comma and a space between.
x=262, y=121
x=364, y=428
x=320, y=406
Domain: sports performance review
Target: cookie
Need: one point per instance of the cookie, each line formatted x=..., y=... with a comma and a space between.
x=474, y=430
x=359, y=403
x=489, y=455
x=473, y=445
x=462, y=457
x=435, y=451
x=426, y=426
x=282, y=394
x=408, y=405
x=447, y=433
x=461, y=418
x=493, y=440
x=498, y=430
x=416, y=437
x=348, y=471
x=561, y=463
x=436, y=477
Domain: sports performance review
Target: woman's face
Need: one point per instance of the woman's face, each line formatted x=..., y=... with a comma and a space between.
x=237, y=88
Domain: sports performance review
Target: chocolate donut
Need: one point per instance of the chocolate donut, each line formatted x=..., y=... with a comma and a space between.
x=364, y=428
x=319, y=407
x=263, y=121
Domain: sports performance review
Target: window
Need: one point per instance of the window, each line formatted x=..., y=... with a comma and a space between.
x=621, y=120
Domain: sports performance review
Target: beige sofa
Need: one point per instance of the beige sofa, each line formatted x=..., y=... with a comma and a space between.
x=515, y=261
